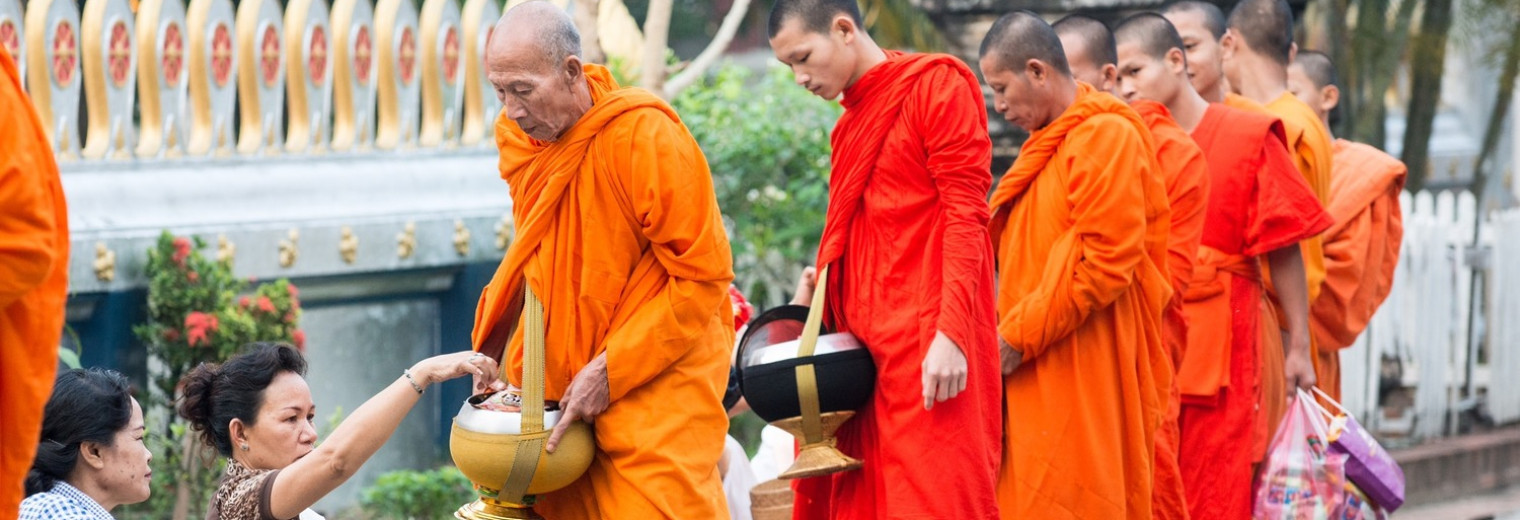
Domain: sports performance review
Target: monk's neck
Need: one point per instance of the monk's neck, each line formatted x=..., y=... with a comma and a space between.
x=871, y=55
x=1262, y=82
x=1215, y=94
x=1188, y=109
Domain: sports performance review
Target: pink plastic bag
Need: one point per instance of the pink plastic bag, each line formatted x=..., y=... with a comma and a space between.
x=1300, y=480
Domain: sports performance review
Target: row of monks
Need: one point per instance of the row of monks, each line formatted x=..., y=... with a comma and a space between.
x=1178, y=247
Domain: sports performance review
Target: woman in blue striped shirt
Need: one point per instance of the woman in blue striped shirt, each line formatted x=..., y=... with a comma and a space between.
x=92, y=457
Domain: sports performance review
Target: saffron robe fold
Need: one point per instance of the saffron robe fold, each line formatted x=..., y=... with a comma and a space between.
x=1186, y=173
x=1361, y=250
x=618, y=231
x=906, y=236
x=34, y=260
x=34, y=282
x=1081, y=294
x=1258, y=203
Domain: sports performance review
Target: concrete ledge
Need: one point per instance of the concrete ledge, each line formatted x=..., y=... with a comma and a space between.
x=1463, y=466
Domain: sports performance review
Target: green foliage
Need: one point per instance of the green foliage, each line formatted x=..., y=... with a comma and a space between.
x=767, y=143
x=404, y=495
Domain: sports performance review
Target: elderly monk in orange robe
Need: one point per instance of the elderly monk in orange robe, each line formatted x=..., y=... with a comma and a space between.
x=1091, y=53
x=1251, y=61
x=1081, y=287
x=1258, y=206
x=618, y=232
x=34, y=260
x=909, y=266
x=1362, y=248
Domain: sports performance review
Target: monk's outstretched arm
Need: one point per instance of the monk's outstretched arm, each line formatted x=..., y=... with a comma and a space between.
x=954, y=123
x=1095, y=262
x=672, y=198
x=27, y=251
x=1287, y=266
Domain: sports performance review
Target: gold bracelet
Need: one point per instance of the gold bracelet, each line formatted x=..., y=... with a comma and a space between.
x=408, y=373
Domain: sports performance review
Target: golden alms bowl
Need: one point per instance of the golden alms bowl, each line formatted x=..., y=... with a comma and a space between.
x=484, y=445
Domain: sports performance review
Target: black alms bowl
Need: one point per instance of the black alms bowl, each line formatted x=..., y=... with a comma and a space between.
x=768, y=360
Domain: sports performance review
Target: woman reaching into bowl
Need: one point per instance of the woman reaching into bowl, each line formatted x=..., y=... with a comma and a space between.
x=257, y=411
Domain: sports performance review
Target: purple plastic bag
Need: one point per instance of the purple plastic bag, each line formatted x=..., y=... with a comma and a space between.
x=1368, y=465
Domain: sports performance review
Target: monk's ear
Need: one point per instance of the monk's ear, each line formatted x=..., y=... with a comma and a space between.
x=1227, y=44
x=1176, y=61
x=573, y=68
x=1110, y=74
x=1292, y=52
x=845, y=28
x=1329, y=98
x=1035, y=70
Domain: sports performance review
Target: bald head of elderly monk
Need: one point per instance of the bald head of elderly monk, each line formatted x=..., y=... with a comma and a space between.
x=533, y=61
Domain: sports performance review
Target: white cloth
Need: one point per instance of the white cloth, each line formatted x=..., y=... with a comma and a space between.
x=738, y=481
x=777, y=451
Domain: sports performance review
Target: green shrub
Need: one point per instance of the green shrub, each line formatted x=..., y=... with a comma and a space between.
x=407, y=494
x=767, y=142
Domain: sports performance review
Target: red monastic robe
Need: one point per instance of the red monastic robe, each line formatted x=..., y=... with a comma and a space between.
x=1258, y=203
x=907, y=239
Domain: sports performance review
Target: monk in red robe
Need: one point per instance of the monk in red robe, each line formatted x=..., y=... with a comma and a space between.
x=1258, y=206
x=618, y=232
x=1091, y=53
x=1362, y=248
x=34, y=261
x=1081, y=287
x=909, y=269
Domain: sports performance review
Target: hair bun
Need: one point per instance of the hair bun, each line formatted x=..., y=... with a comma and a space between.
x=195, y=401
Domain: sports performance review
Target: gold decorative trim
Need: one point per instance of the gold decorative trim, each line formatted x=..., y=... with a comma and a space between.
x=348, y=245
x=392, y=32
x=477, y=22
x=461, y=238
x=303, y=134
x=406, y=241
x=442, y=71
x=289, y=248
x=108, y=125
x=209, y=130
x=105, y=263
x=345, y=132
x=505, y=232
x=226, y=251
x=254, y=35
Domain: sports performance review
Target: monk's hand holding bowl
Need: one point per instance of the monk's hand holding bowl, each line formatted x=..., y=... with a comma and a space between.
x=586, y=398
x=944, y=370
x=1011, y=357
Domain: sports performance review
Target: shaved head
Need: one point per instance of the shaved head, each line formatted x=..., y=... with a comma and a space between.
x=1213, y=18
x=1266, y=26
x=533, y=61
x=1151, y=33
x=1317, y=67
x=542, y=24
x=816, y=15
x=1097, y=41
x=1020, y=36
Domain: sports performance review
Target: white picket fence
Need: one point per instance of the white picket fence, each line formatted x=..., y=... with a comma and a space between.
x=1425, y=322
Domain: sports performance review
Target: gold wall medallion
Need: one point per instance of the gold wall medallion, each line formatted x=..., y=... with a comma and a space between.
x=226, y=251
x=406, y=241
x=461, y=238
x=348, y=245
x=505, y=231
x=105, y=263
x=110, y=77
x=289, y=248
x=261, y=80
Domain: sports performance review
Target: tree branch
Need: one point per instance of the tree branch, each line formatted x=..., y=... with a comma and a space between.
x=656, y=36
x=586, y=14
x=709, y=55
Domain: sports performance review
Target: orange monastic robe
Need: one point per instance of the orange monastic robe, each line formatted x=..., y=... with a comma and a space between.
x=1187, y=191
x=618, y=232
x=1257, y=204
x=909, y=254
x=34, y=260
x=1309, y=143
x=1361, y=251
x=1081, y=295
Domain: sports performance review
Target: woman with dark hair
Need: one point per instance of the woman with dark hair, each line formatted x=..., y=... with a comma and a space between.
x=92, y=457
x=257, y=411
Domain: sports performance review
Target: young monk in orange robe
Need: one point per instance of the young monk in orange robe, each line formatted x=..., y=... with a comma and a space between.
x=1090, y=52
x=618, y=232
x=1362, y=248
x=910, y=269
x=1224, y=54
x=34, y=260
x=1258, y=206
x=1081, y=291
